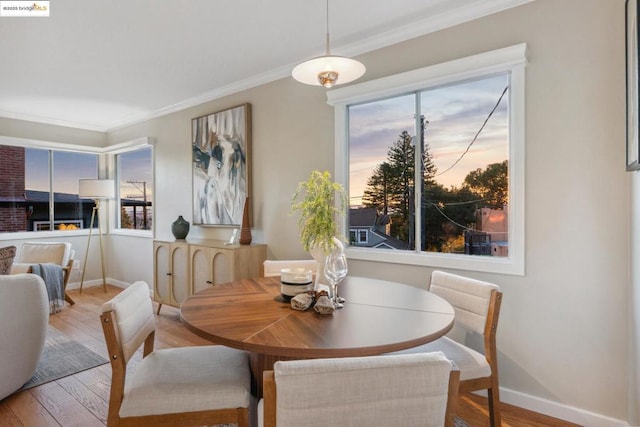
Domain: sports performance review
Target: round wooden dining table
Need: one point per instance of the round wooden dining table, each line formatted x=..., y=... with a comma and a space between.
x=378, y=317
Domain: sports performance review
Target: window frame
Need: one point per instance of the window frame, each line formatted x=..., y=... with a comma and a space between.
x=510, y=59
x=50, y=146
x=127, y=147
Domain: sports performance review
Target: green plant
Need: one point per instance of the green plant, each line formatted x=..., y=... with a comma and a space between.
x=315, y=200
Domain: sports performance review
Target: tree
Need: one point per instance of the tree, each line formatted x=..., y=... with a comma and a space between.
x=376, y=193
x=391, y=187
x=490, y=184
x=446, y=214
x=125, y=219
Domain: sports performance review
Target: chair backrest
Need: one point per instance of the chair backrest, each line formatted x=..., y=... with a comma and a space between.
x=406, y=390
x=470, y=299
x=44, y=252
x=24, y=316
x=272, y=268
x=127, y=321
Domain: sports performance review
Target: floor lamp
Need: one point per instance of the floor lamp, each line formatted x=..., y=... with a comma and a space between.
x=96, y=189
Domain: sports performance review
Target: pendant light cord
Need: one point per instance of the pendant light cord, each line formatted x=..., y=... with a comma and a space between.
x=327, y=53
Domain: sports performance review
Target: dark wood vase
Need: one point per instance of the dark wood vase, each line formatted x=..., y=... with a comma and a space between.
x=245, y=229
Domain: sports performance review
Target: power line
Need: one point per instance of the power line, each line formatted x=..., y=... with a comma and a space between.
x=476, y=136
x=459, y=203
x=449, y=219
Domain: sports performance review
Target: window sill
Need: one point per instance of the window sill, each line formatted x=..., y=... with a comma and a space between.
x=486, y=264
x=26, y=235
x=132, y=233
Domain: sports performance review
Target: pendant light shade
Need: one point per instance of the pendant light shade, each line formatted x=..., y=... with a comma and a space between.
x=328, y=70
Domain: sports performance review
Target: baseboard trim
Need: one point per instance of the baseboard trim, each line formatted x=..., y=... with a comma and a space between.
x=97, y=282
x=558, y=410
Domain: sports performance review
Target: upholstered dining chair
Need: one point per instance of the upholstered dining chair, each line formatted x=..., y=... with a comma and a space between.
x=477, y=307
x=404, y=390
x=174, y=386
x=273, y=267
x=59, y=253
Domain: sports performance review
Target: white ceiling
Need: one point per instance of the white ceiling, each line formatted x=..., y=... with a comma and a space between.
x=104, y=64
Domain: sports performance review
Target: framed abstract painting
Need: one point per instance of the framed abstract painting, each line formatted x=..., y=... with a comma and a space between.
x=221, y=144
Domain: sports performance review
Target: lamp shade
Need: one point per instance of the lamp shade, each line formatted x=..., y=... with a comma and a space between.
x=96, y=189
x=346, y=69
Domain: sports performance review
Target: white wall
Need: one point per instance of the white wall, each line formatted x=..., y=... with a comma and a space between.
x=42, y=132
x=292, y=131
x=564, y=332
x=634, y=303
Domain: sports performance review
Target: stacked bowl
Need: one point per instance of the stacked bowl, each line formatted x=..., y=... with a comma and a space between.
x=294, y=281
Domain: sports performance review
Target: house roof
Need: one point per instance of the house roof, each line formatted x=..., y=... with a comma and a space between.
x=34, y=196
x=362, y=217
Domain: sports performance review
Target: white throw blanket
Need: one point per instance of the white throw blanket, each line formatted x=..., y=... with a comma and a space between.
x=53, y=276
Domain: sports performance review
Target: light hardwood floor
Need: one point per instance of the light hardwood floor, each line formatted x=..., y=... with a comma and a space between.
x=82, y=399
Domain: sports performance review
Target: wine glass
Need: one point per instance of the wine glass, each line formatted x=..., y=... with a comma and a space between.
x=335, y=269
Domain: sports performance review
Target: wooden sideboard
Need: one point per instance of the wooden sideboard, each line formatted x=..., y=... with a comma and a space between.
x=181, y=268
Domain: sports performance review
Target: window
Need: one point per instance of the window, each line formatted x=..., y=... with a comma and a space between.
x=135, y=188
x=358, y=237
x=39, y=190
x=433, y=162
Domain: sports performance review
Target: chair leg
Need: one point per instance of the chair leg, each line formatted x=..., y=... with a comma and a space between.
x=495, y=419
x=243, y=417
x=65, y=279
x=69, y=299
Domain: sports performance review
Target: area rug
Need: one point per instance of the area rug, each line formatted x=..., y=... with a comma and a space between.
x=62, y=356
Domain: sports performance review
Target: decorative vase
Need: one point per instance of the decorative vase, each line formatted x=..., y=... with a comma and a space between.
x=180, y=228
x=245, y=230
x=319, y=255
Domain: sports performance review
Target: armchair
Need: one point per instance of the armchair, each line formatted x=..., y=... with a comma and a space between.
x=59, y=253
x=24, y=314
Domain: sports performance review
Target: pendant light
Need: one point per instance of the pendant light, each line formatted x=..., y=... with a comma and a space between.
x=328, y=70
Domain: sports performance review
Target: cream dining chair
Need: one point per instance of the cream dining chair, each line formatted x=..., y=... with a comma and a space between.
x=404, y=390
x=477, y=307
x=188, y=386
x=273, y=267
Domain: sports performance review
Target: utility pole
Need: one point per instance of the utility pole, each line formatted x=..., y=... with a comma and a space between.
x=423, y=224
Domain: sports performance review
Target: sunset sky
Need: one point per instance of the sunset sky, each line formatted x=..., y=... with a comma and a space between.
x=455, y=114
x=69, y=167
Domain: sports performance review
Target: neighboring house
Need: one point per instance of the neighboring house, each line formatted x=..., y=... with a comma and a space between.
x=491, y=234
x=367, y=229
